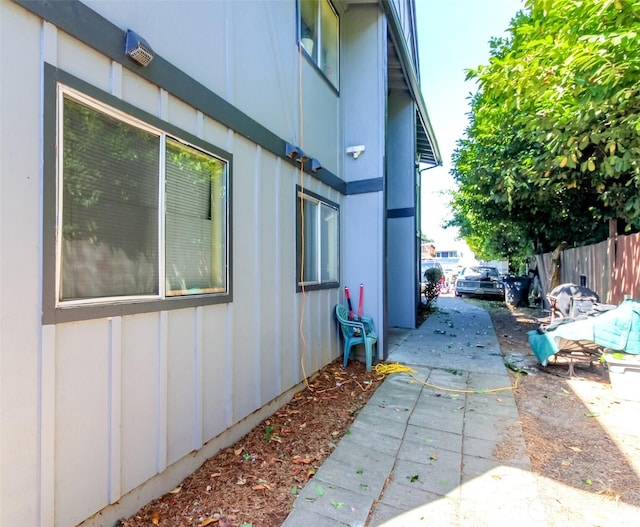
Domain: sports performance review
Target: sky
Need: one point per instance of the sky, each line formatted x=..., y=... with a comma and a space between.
x=453, y=36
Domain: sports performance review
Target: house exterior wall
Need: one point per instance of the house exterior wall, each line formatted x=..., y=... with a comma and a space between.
x=240, y=50
x=111, y=409
x=104, y=409
x=363, y=97
x=20, y=331
x=401, y=251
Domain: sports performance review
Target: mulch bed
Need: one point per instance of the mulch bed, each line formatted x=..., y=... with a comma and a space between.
x=254, y=482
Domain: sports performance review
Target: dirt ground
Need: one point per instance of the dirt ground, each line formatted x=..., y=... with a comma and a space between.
x=565, y=440
x=579, y=439
x=584, y=443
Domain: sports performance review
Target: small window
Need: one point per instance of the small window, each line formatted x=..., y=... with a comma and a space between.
x=142, y=214
x=318, y=228
x=320, y=36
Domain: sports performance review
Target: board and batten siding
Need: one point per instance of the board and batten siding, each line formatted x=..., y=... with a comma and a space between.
x=119, y=409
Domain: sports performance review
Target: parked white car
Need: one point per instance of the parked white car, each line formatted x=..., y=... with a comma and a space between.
x=479, y=281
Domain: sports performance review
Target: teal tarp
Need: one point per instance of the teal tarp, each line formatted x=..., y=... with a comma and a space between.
x=617, y=329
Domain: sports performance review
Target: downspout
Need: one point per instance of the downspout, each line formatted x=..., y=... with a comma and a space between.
x=419, y=225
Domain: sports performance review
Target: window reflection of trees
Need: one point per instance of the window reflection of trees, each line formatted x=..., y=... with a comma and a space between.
x=111, y=173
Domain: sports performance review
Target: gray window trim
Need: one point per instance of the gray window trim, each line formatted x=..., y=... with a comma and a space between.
x=52, y=314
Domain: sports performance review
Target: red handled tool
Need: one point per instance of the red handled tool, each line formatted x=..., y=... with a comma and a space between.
x=346, y=292
x=360, y=304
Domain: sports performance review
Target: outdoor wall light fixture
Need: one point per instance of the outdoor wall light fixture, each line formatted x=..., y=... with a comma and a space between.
x=355, y=151
x=137, y=48
x=315, y=165
x=295, y=153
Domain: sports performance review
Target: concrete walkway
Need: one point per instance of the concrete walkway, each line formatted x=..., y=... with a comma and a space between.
x=435, y=447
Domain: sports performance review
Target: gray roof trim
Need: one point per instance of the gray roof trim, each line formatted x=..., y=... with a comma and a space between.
x=364, y=186
x=88, y=26
x=406, y=212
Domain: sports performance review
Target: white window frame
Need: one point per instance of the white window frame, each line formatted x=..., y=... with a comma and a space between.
x=323, y=204
x=64, y=91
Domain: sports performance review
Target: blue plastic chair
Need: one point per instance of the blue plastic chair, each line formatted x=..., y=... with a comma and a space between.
x=357, y=331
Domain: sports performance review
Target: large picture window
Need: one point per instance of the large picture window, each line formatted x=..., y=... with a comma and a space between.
x=320, y=36
x=318, y=230
x=141, y=214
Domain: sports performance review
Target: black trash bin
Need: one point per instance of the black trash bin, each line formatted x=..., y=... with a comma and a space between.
x=516, y=291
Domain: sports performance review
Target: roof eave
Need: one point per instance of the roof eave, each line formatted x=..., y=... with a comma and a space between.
x=426, y=143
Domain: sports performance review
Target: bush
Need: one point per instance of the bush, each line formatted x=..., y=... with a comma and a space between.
x=433, y=276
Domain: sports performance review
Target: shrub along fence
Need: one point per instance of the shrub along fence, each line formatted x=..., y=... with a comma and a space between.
x=610, y=268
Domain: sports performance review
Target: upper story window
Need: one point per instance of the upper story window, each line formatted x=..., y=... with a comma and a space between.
x=318, y=245
x=320, y=36
x=141, y=214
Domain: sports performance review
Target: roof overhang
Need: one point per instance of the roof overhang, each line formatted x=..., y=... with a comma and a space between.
x=402, y=75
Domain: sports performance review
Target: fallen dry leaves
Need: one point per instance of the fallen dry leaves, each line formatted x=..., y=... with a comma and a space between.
x=254, y=482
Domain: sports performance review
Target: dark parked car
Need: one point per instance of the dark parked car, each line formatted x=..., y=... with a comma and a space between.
x=479, y=280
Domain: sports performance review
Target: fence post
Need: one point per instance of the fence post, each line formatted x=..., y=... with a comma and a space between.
x=614, y=273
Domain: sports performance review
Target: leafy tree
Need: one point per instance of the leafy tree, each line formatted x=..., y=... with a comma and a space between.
x=552, y=149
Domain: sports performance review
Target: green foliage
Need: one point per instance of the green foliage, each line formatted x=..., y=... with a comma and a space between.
x=552, y=149
x=433, y=276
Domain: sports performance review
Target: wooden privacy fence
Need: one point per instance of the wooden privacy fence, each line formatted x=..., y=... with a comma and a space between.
x=610, y=268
